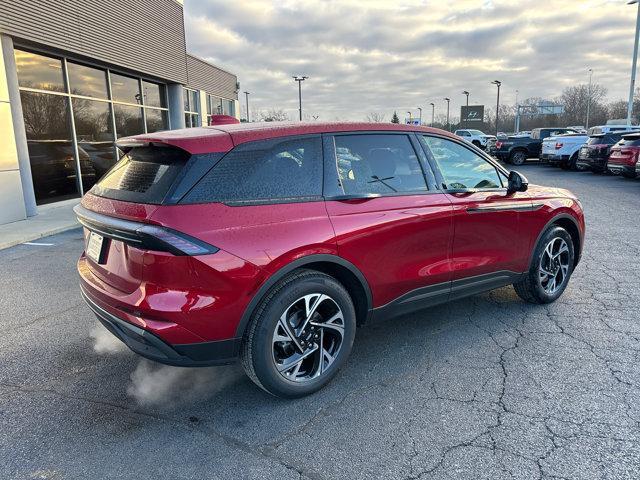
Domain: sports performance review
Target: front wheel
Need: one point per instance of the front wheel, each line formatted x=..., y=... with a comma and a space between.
x=300, y=335
x=518, y=158
x=551, y=268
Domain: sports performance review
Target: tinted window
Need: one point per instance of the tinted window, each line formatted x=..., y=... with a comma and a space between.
x=51, y=153
x=125, y=89
x=87, y=81
x=267, y=170
x=128, y=120
x=156, y=120
x=144, y=175
x=460, y=167
x=153, y=94
x=630, y=142
x=378, y=164
x=94, y=130
x=38, y=71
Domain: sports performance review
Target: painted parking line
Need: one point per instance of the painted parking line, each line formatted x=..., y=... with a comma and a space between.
x=39, y=244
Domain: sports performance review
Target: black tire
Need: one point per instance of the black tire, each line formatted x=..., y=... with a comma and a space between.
x=257, y=356
x=477, y=144
x=531, y=288
x=565, y=165
x=518, y=157
x=629, y=174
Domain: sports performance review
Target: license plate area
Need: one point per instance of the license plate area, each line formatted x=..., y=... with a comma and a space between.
x=95, y=247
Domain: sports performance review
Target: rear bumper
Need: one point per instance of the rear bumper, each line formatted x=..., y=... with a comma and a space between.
x=151, y=346
x=592, y=163
x=553, y=158
x=619, y=169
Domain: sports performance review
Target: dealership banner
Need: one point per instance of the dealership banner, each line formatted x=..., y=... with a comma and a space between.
x=472, y=113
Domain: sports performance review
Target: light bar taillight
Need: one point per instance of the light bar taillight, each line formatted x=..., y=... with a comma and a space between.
x=498, y=144
x=142, y=235
x=558, y=145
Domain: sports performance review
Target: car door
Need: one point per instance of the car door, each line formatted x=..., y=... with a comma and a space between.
x=389, y=219
x=489, y=244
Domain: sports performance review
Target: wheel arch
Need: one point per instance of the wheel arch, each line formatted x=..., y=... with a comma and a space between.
x=570, y=224
x=342, y=270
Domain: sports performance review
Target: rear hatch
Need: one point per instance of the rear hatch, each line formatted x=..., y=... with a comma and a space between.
x=117, y=213
x=626, y=151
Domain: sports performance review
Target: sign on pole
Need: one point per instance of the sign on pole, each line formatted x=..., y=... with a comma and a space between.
x=471, y=114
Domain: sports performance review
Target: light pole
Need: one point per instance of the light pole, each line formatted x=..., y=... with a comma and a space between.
x=420, y=110
x=246, y=96
x=448, y=100
x=633, y=64
x=465, y=119
x=589, y=99
x=433, y=112
x=517, y=123
x=497, y=83
x=300, y=79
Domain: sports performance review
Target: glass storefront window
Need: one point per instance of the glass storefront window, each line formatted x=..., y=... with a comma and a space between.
x=185, y=99
x=228, y=107
x=156, y=120
x=39, y=71
x=125, y=89
x=87, y=81
x=51, y=153
x=128, y=120
x=153, y=94
x=94, y=132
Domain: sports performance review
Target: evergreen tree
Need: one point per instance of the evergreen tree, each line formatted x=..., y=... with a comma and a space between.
x=395, y=118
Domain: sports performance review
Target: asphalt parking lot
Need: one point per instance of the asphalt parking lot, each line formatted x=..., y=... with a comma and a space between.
x=489, y=387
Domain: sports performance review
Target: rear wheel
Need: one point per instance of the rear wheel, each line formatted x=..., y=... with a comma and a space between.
x=477, y=144
x=518, y=157
x=300, y=335
x=551, y=268
x=629, y=174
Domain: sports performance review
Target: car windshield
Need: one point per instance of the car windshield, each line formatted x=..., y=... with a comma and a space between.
x=475, y=132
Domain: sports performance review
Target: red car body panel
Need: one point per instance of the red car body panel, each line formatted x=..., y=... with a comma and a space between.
x=624, y=156
x=398, y=244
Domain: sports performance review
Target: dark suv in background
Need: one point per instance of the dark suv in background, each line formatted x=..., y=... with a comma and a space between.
x=516, y=150
x=594, y=155
x=270, y=242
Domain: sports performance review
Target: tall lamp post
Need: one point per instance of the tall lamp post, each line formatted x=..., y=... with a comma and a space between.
x=448, y=100
x=497, y=83
x=467, y=94
x=589, y=99
x=420, y=110
x=433, y=112
x=246, y=96
x=300, y=79
x=633, y=64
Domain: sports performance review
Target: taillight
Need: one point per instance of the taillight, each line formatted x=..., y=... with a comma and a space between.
x=558, y=145
x=498, y=144
x=143, y=235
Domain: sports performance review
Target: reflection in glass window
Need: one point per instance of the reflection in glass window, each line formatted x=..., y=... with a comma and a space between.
x=460, y=167
x=125, y=89
x=378, y=164
x=228, y=107
x=153, y=94
x=87, y=81
x=53, y=165
x=156, y=120
x=128, y=120
x=94, y=132
x=193, y=100
x=38, y=71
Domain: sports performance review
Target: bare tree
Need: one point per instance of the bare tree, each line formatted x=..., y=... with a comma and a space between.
x=273, y=115
x=375, y=117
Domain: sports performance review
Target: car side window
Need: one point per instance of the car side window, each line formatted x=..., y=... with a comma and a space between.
x=378, y=164
x=460, y=167
x=268, y=170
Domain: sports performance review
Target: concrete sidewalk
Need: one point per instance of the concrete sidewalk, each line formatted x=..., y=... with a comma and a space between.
x=51, y=219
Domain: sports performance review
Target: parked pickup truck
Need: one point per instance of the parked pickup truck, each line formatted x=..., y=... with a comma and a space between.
x=476, y=137
x=516, y=150
x=562, y=150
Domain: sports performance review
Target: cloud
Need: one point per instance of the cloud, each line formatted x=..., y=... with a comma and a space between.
x=384, y=56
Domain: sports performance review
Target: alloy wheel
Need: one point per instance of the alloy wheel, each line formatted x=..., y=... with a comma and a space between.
x=553, y=269
x=308, y=337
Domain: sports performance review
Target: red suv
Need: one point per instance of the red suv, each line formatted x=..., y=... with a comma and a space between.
x=625, y=155
x=269, y=243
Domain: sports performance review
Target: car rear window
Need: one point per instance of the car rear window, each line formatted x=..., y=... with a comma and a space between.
x=606, y=139
x=630, y=141
x=268, y=171
x=143, y=175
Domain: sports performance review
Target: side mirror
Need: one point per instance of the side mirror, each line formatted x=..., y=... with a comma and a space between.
x=517, y=182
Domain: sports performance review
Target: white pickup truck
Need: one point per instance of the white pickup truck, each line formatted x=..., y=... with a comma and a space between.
x=562, y=150
x=476, y=137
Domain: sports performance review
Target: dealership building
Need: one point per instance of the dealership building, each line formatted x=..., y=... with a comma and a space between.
x=75, y=75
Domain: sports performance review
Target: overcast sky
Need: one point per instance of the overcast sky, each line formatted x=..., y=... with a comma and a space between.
x=381, y=56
